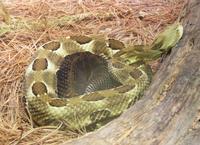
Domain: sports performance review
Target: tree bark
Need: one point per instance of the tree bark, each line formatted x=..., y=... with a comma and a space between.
x=169, y=112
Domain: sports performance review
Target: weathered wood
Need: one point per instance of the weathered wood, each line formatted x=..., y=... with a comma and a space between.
x=169, y=112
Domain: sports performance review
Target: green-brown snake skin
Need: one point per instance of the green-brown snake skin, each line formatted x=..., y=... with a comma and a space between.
x=83, y=82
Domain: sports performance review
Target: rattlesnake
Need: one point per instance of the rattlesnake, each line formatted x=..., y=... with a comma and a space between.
x=83, y=82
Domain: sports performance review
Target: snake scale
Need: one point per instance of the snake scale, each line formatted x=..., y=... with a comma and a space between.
x=84, y=82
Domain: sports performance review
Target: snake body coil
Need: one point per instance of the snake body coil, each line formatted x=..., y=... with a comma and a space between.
x=82, y=81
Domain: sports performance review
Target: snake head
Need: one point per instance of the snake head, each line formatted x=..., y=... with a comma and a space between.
x=168, y=38
x=162, y=44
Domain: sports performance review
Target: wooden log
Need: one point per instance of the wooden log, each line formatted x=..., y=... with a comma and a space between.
x=169, y=112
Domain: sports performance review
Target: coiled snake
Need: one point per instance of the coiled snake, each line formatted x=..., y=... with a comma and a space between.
x=84, y=82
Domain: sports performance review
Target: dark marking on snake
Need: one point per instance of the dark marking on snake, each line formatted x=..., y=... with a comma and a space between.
x=57, y=102
x=39, y=88
x=40, y=64
x=124, y=89
x=93, y=97
x=53, y=46
x=81, y=39
x=100, y=115
x=115, y=44
x=135, y=73
x=118, y=65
